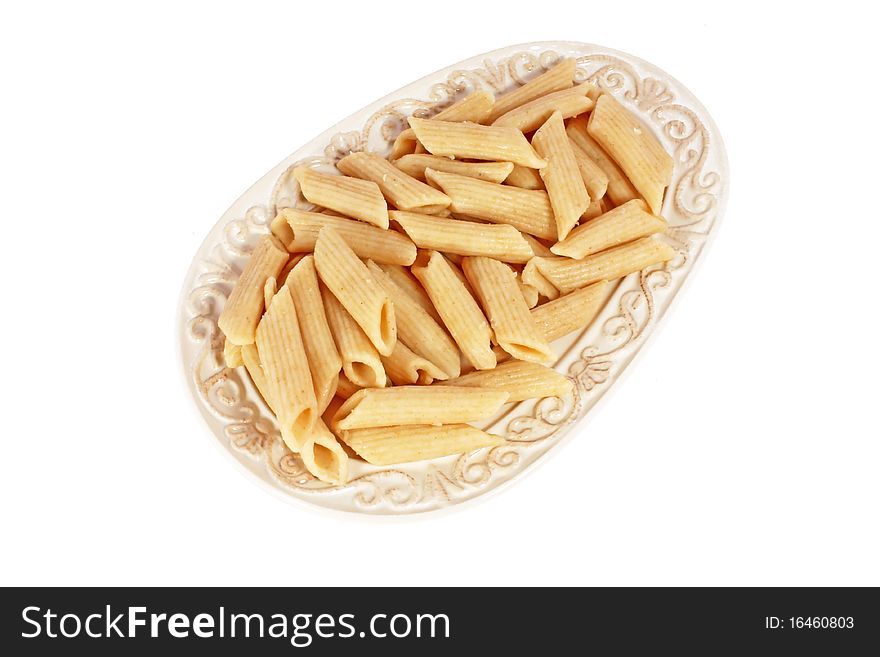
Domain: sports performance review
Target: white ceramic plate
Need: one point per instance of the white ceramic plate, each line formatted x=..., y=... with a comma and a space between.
x=594, y=358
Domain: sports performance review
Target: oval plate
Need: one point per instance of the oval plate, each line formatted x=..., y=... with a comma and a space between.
x=594, y=358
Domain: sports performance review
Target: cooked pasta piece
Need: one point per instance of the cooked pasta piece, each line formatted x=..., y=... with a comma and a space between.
x=593, y=210
x=624, y=223
x=244, y=307
x=526, y=210
x=281, y=229
x=415, y=165
x=633, y=147
x=475, y=141
x=515, y=331
x=355, y=287
x=464, y=237
x=419, y=331
x=594, y=177
x=231, y=354
x=404, y=144
x=400, y=189
x=523, y=380
x=401, y=405
x=405, y=367
x=475, y=108
x=561, y=76
x=346, y=388
x=361, y=199
x=366, y=241
x=531, y=276
x=403, y=444
x=530, y=294
x=570, y=312
x=568, y=274
x=292, y=262
x=269, y=291
x=524, y=178
x=619, y=189
x=286, y=370
x=324, y=456
x=407, y=283
x=457, y=307
x=538, y=247
x=562, y=178
x=568, y=102
x=324, y=359
x=360, y=361
x=250, y=356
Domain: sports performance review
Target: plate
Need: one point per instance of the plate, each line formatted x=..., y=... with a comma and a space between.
x=593, y=358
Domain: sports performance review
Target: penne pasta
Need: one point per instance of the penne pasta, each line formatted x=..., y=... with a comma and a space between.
x=245, y=304
x=593, y=210
x=400, y=189
x=292, y=262
x=568, y=274
x=475, y=108
x=403, y=405
x=419, y=331
x=360, y=361
x=594, y=177
x=457, y=307
x=561, y=76
x=366, y=241
x=524, y=178
x=324, y=359
x=405, y=367
x=280, y=229
x=619, y=188
x=415, y=165
x=403, y=444
x=562, y=178
x=250, y=356
x=475, y=141
x=286, y=370
x=323, y=455
x=404, y=144
x=515, y=331
x=231, y=354
x=270, y=289
x=529, y=293
x=361, y=199
x=531, y=276
x=522, y=380
x=355, y=287
x=408, y=284
x=537, y=246
x=570, y=312
x=633, y=146
x=345, y=390
x=526, y=210
x=624, y=223
x=531, y=115
x=464, y=237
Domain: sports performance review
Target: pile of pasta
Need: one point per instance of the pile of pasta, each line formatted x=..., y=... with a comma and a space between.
x=423, y=290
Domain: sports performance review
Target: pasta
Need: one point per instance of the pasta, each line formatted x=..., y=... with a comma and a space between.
x=568, y=102
x=352, y=284
x=464, y=237
x=559, y=77
x=633, y=147
x=470, y=249
x=526, y=210
x=521, y=379
x=244, y=307
x=360, y=361
x=475, y=141
x=619, y=188
x=568, y=274
x=562, y=178
x=402, y=444
x=286, y=370
x=404, y=191
x=624, y=223
x=361, y=199
x=324, y=359
x=417, y=328
x=459, y=311
x=366, y=241
x=515, y=330
x=415, y=165
x=401, y=405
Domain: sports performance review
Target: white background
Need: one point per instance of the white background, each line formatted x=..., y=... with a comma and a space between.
x=742, y=448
